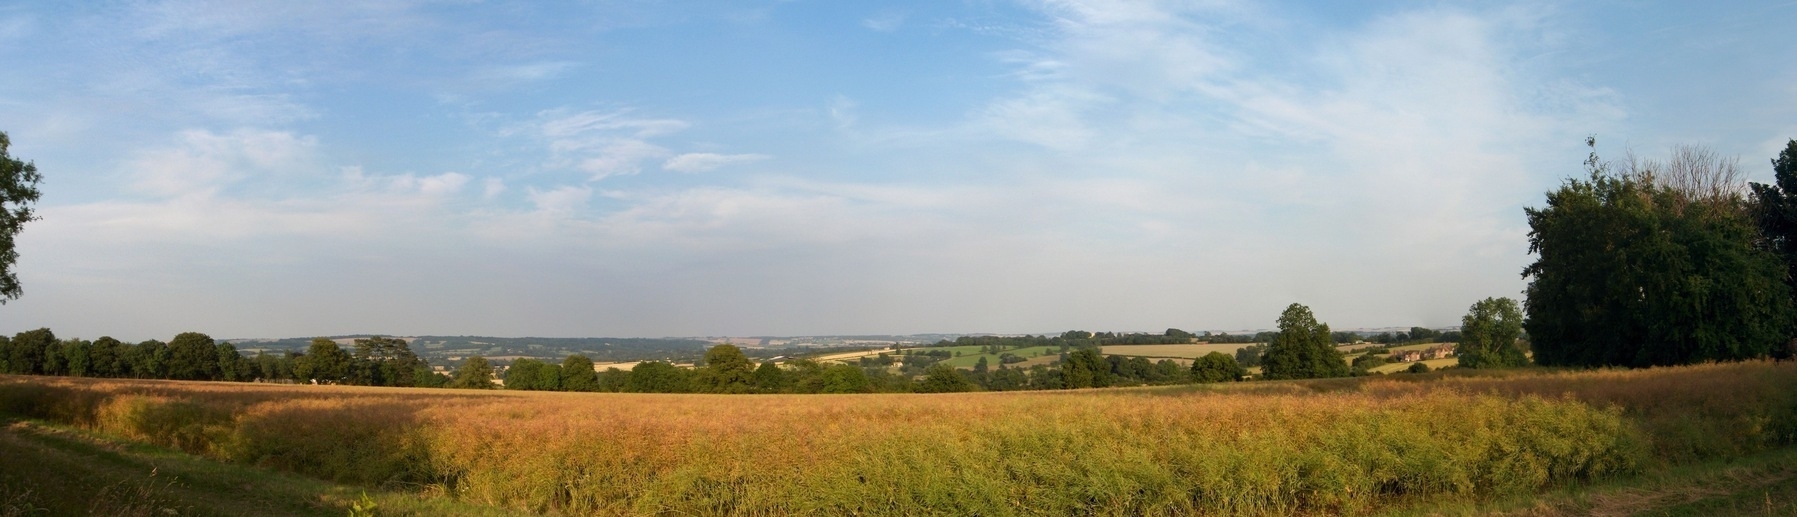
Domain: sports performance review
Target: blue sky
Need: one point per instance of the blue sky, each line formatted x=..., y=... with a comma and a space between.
x=638, y=168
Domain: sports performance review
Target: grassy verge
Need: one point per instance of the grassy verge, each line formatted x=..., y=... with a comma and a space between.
x=48, y=469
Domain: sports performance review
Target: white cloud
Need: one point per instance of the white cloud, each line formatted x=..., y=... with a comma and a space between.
x=561, y=201
x=702, y=162
x=885, y=21
x=492, y=188
x=202, y=161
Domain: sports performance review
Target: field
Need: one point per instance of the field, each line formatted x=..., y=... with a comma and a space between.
x=1192, y=351
x=1340, y=446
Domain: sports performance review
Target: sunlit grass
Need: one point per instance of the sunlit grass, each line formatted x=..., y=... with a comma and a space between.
x=1335, y=446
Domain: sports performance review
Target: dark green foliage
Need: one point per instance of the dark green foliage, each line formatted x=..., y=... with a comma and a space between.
x=18, y=190
x=474, y=373
x=193, y=356
x=1249, y=356
x=942, y=378
x=657, y=377
x=726, y=370
x=843, y=378
x=107, y=358
x=1775, y=209
x=1488, y=335
x=613, y=380
x=1085, y=368
x=770, y=378
x=231, y=365
x=1217, y=367
x=1303, y=349
x=1637, y=268
x=531, y=374
x=1418, y=367
x=25, y=352
x=149, y=360
x=385, y=361
x=578, y=375
x=324, y=363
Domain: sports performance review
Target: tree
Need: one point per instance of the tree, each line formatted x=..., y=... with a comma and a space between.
x=325, y=362
x=18, y=190
x=1303, y=349
x=77, y=356
x=1646, y=263
x=193, y=356
x=474, y=374
x=770, y=378
x=657, y=377
x=524, y=374
x=1086, y=368
x=149, y=360
x=108, y=357
x=1775, y=211
x=613, y=380
x=844, y=378
x=25, y=354
x=385, y=361
x=578, y=374
x=1418, y=367
x=1249, y=356
x=942, y=378
x=1217, y=367
x=726, y=370
x=1488, y=335
x=231, y=365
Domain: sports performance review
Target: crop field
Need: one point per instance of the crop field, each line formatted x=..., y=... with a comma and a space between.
x=1339, y=446
x=972, y=356
x=1191, y=351
x=1434, y=364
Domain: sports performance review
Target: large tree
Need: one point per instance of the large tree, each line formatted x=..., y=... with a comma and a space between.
x=942, y=378
x=1303, y=349
x=726, y=370
x=1648, y=263
x=1216, y=367
x=1488, y=335
x=324, y=362
x=193, y=356
x=18, y=190
x=474, y=374
x=1775, y=209
x=578, y=375
x=26, y=351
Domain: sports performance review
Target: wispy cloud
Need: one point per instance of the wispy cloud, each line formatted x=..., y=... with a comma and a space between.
x=702, y=162
x=885, y=21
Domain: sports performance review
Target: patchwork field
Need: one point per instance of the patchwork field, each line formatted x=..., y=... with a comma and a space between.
x=1191, y=351
x=1339, y=446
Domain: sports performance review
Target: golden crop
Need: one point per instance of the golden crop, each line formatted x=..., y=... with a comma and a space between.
x=1337, y=446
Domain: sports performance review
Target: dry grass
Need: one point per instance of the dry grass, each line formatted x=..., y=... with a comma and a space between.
x=1329, y=447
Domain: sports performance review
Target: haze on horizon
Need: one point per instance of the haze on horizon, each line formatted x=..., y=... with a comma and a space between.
x=619, y=168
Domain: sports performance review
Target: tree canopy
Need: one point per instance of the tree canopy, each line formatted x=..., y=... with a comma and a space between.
x=1488, y=335
x=1303, y=348
x=1648, y=263
x=18, y=191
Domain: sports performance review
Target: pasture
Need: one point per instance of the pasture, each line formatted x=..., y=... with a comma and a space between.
x=1337, y=446
x=1191, y=351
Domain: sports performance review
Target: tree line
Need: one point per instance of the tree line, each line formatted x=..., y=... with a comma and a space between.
x=193, y=356
x=726, y=369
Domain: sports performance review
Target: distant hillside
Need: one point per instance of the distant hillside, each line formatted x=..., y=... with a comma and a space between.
x=442, y=349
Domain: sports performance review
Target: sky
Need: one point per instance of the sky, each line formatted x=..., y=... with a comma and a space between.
x=697, y=168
